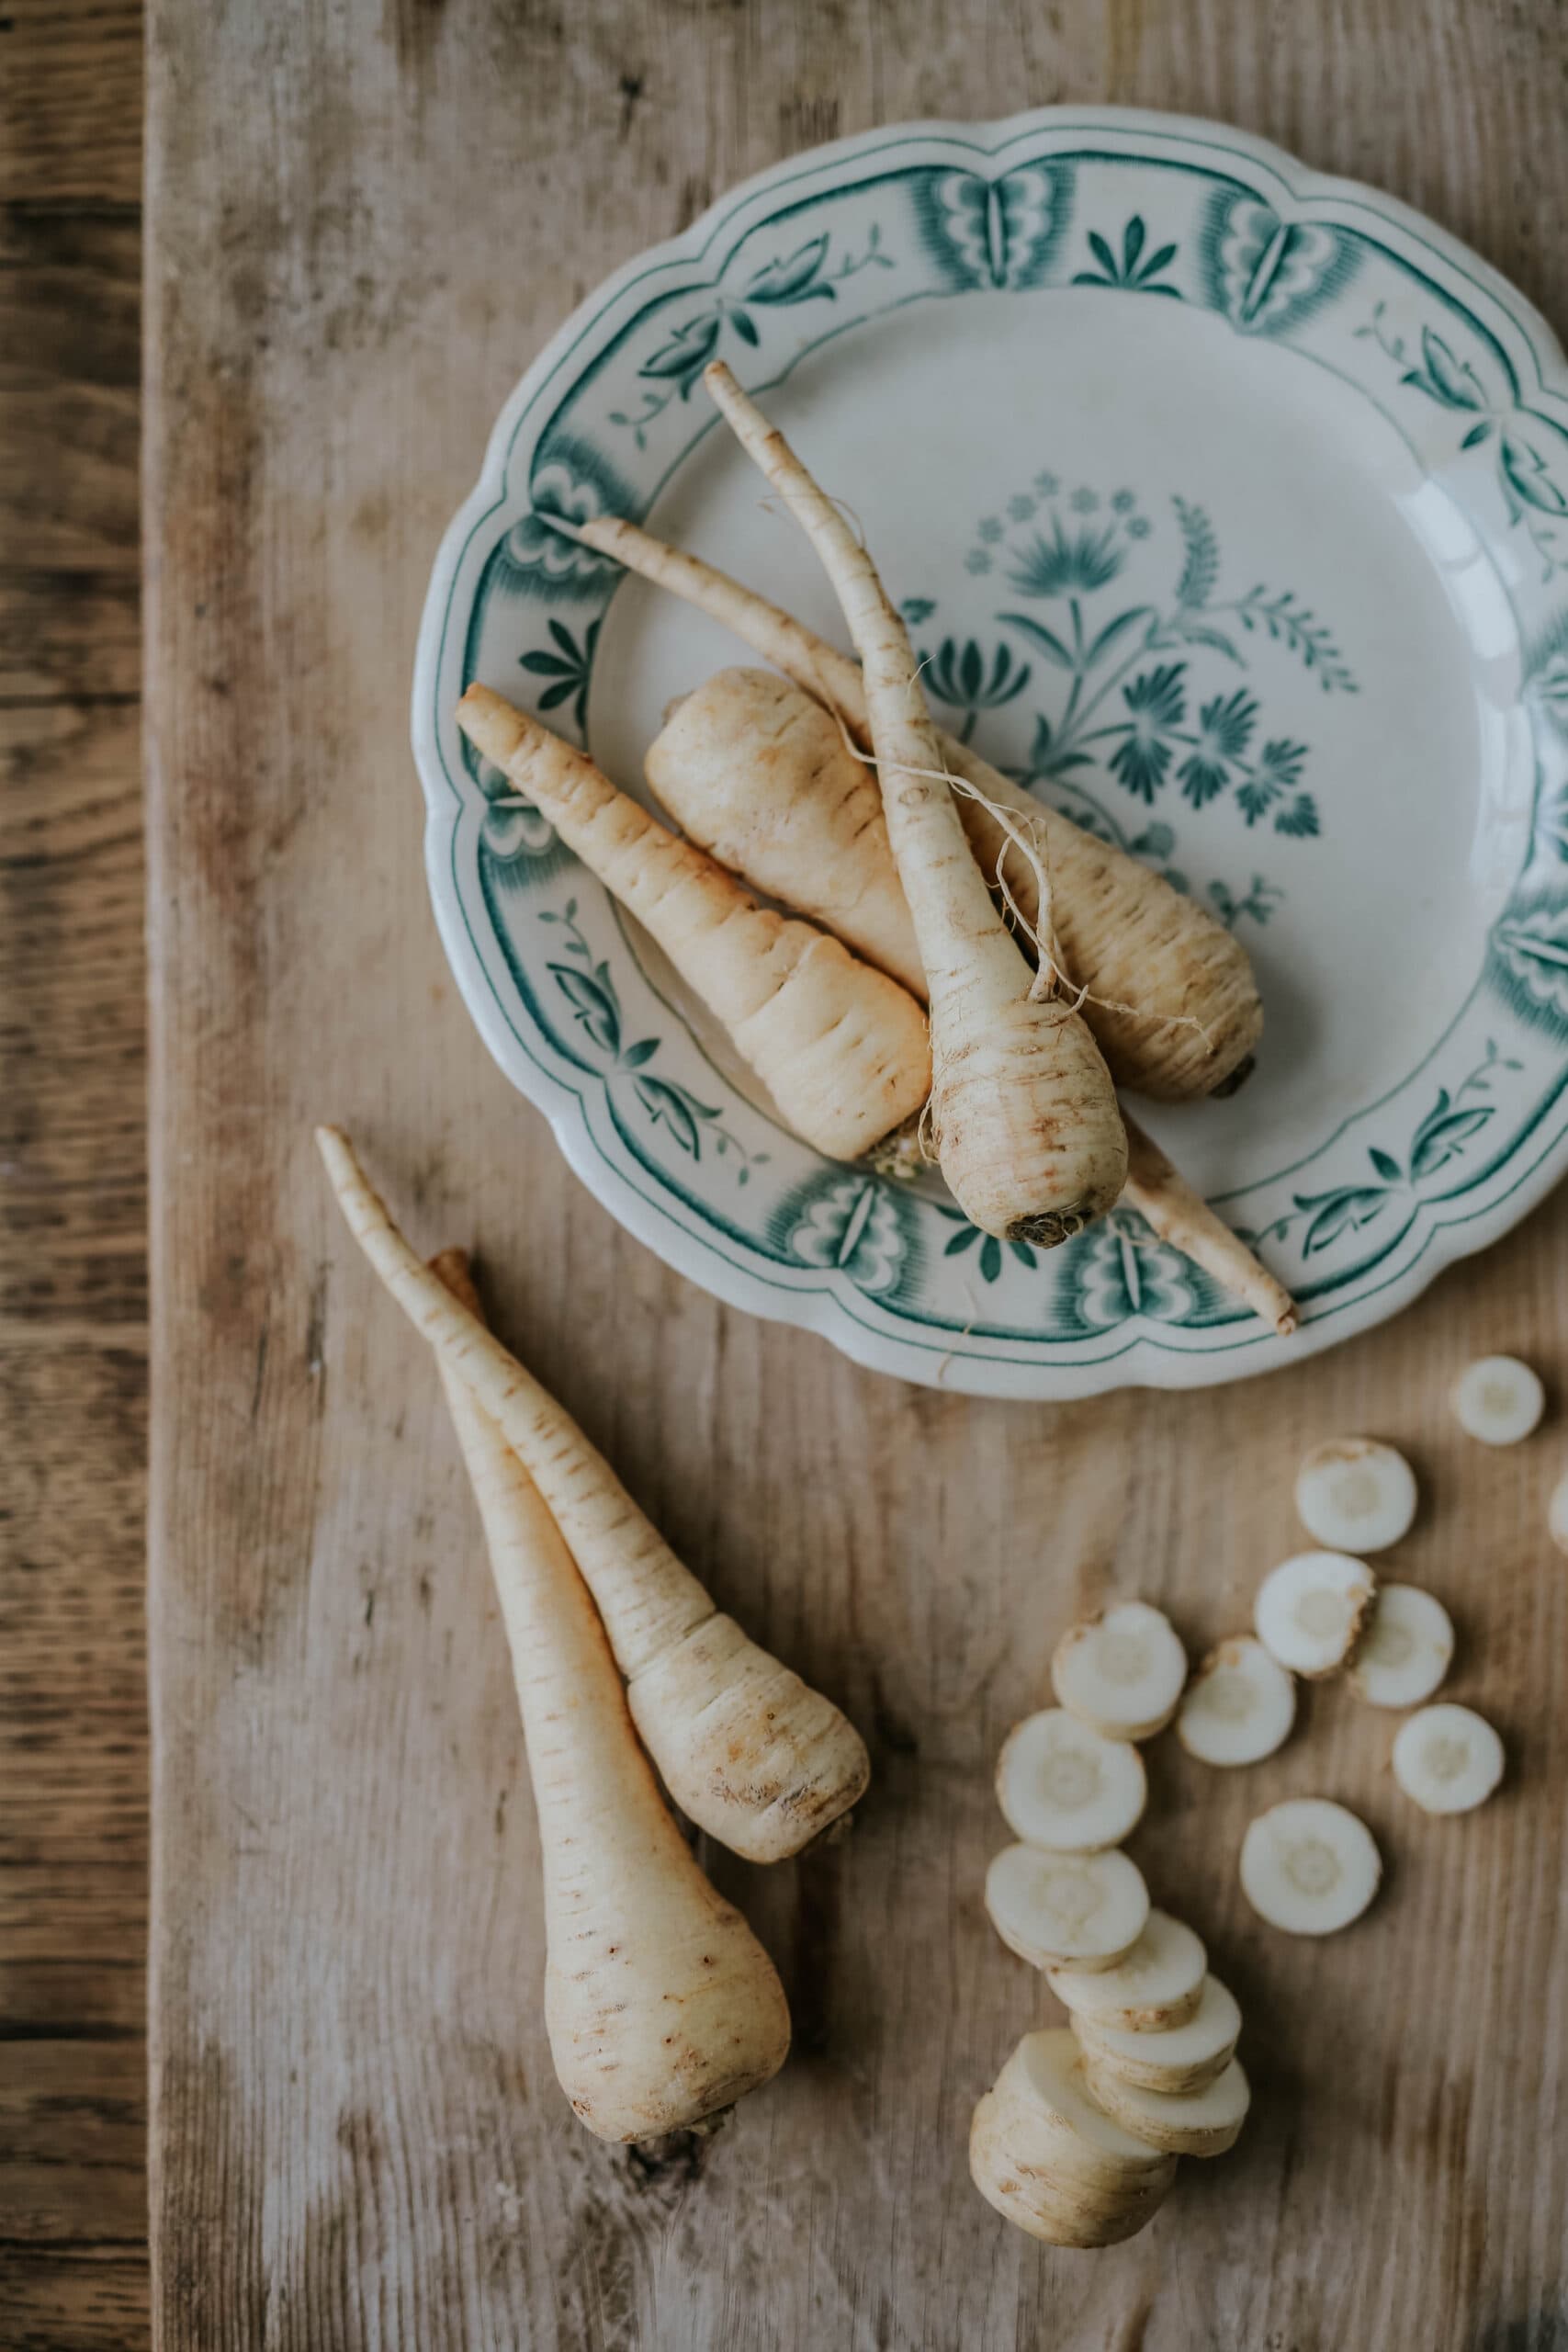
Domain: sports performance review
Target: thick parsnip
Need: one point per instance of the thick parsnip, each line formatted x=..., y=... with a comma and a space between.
x=1022, y=1111
x=843, y=1049
x=756, y=1757
x=1125, y=934
x=661, y=2006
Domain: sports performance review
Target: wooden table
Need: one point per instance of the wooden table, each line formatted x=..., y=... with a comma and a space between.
x=362, y=223
x=72, y=1199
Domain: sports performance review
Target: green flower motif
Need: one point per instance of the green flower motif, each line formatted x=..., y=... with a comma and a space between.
x=990, y=1260
x=990, y=531
x=1138, y=528
x=1047, y=485
x=1020, y=508
x=1123, y=503
x=1063, y=566
x=959, y=677
x=1226, y=727
x=1278, y=771
x=1155, y=705
x=1135, y=271
x=1083, y=502
x=569, y=669
x=977, y=562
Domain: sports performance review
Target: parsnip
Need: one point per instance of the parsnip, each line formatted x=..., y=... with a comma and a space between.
x=1052, y=2162
x=1311, y=1611
x=1309, y=1866
x=1356, y=1494
x=843, y=1049
x=1083, y=1911
x=1189, y=2124
x=1022, y=1112
x=1498, y=1400
x=756, y=1757
x=1238, y=1707
x=1407, y=1649
x=1126, y=935
x=1181, y=2058
x=1067, y=1788
x=1448, y=1759
x=661, y=2006
x=758, y=774
x=1121, y=1672
x=1158, y=1983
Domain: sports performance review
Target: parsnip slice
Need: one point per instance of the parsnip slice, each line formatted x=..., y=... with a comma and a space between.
x=1310, y=1610
x=1407, y=1649
x=1185, y=2058
x=1238, y=1707
x=1188, y=2123
x=1052, y=2161
x=1447, y=1757
x=1356, y=1494
x=1122, y=1672
x=1498, y=1399
x=1309, y=1866
x=1065, y=1787
x=1557, y=1513
x=1083, y=1911
x=1157, y=1986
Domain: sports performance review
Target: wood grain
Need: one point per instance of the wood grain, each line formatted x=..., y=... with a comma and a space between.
x=72, y=1199
x=356, y=2138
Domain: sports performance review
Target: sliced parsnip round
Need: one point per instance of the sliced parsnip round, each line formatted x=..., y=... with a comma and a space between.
x=1310, y=1610
x=1498, y=1399
x=1557, y=1513
x=1238, y=1707
x=1448, y=1759
x=1186, y=2058
x=1052, y=2161
x=1407, y=1649
x=1156, y=1986
x=1309, y=1866
x=1083, y=1911
x=1065, y=1787
x=1188, y=2123
x=1122, y=1672
x=1356, y=1494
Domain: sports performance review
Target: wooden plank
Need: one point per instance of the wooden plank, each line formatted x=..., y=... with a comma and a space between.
x=72, y=1199
x=356, y=2139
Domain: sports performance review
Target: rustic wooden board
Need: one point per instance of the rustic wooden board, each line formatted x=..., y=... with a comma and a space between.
x=363, y=222
x=73, y=1196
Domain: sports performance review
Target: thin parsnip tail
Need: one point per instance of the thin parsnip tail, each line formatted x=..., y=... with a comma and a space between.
x=753, y=1755
x=1171, y=1208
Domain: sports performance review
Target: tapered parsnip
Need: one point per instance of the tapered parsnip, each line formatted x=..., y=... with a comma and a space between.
x=1172, y=1001
x=755, y=1756
x=1170, y=1208
x=1022, y=1112
x=661, y=2006
x=843, y=1049
x=759, y=775
x=758, y=771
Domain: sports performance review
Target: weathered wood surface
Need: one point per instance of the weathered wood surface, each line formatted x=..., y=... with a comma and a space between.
x=363, y=224
x=72, y=1199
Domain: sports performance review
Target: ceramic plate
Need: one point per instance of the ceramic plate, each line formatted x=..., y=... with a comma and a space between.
x=1229, y=507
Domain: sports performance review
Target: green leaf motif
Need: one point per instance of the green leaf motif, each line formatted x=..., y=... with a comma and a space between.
x=594, y=1004
x=1386, y=1165
x=1345, y=1211
x=794, y=281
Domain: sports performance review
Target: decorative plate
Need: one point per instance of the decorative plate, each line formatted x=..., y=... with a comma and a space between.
x=1229, y=507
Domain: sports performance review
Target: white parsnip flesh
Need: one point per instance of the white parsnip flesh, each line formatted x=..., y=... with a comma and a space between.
x=1407, y=1649
x=1448, y=1758
x=1083, y=1911
x=1156, y=1986
x=1173, y=1004
x=1062, y=1786
x=843, y=1049
x=661, y=2006
x=1239, y=1706
x=1188, y=2123
x=1498, y=1400
x=1311, y=1611
x=1309, y=1866
x=1356, y=1494
x=754, y=1756
x=1183, y=2058
x=1122, y=1672
x=1022, y=1112
x=1052, y=2161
